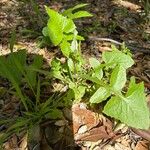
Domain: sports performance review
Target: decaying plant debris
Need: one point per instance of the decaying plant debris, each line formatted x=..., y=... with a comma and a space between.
x=79, y=125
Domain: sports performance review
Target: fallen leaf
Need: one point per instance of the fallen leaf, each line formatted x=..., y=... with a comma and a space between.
x=142, y=145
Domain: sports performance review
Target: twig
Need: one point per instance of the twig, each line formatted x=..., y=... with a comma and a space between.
x=93, y=38
x=131, y=47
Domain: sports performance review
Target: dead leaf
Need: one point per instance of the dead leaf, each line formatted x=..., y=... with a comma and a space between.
x=94, y=134
x=142, y=145
x=81, y=116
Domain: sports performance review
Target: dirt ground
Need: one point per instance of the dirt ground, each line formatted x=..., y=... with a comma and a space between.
x=113, y=22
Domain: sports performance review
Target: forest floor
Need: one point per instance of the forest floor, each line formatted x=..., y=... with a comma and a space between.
x=113, y=21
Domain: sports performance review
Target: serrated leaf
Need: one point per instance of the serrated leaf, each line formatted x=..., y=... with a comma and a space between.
x=100, y=95
x=94, y=62
x=69, y=26
x=118, y=78
x=98, y=73
x=55, y=26
x=117, y=58
x=65, y=48
x=132, y=109
x=69, y=11
x=80, y=14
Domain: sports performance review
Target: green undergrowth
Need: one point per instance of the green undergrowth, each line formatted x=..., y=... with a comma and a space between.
x=91, y=81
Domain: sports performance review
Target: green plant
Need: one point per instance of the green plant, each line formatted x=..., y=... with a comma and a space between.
x=146, y=12
x=107, y=77
x=26, y=85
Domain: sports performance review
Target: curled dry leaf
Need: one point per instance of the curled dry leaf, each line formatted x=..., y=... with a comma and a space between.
x=81, y=116
x=142, y=145
x=89, y=126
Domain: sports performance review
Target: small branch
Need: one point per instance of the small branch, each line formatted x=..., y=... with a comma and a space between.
x=131, y=47
x=104, y=39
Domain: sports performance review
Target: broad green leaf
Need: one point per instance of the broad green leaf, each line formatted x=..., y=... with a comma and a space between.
x=69, y=11
x=94, y=62
x=80, y=14
x=117, y=58
x=65, y=48
x=55, y=26
x=132, y=109
x=118, y=78
x=100, y=95
x=98, y=73
x=132, y=87
x=69, y=26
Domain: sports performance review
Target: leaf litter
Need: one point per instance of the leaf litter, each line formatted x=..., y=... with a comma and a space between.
x=90, y=129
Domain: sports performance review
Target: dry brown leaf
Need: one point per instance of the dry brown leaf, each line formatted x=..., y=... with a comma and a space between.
x=142, y=145
x=95, y=135
x=81, y=116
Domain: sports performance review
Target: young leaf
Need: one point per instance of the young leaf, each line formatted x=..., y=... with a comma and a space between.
x=65, y=48
x=100, y=95
x=55, y=26
x=69, y=26
x=70, y=10
x=118, y=78
x=94, y=62
x=80, y=14
x=117, y=58
x=131, y=109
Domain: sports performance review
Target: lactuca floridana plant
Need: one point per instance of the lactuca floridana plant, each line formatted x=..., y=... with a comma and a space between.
x=108, y=79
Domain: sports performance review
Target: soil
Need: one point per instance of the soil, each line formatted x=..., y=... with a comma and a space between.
x=113, y=22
